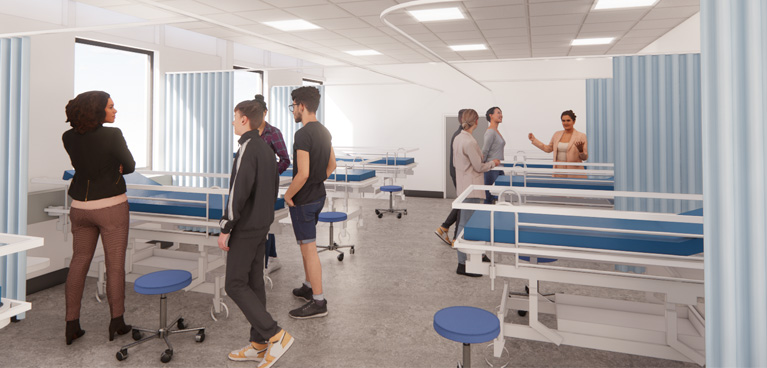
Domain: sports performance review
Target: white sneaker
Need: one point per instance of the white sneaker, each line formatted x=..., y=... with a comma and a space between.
x=278, y=345
x=274, y=265
x=253, y=352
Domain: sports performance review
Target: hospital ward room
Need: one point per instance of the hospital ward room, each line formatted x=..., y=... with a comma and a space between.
x=383, y=183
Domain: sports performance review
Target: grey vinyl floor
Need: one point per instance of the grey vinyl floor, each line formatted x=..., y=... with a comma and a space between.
x=381, y=305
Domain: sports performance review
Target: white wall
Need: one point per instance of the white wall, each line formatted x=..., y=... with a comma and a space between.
x=683, y=39
x=367, y=109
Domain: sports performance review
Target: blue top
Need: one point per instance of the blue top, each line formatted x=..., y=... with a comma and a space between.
x=468, y=325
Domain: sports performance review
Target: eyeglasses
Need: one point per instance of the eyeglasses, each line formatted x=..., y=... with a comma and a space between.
x=291, y=107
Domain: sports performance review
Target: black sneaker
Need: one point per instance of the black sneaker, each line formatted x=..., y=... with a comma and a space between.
x=311, y=309
x=462, y=271
x=304, y=292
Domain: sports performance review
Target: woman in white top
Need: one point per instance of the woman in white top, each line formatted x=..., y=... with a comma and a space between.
x=467, y=159
x=494, y=146
x=568, y=145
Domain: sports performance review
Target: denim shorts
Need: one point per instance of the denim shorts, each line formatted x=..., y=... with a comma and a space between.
x=304, y=218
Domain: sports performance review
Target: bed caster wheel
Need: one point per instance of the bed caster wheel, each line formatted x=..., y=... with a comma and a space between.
x=213, y=312
x=399, y=215
x=351, y=250
x=405, y=212
x=137, y=335
x=122, y=354
x=527, y=290
x=521, y=313
x=100, y=297
x=166, y=356
x=181, y=325
x=380, y=215
x=340, y=257
x=200, y=337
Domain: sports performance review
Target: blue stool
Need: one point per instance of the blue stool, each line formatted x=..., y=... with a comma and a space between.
x=391, y=189
x=333, y=217
x=467, y=325
x=162, y=282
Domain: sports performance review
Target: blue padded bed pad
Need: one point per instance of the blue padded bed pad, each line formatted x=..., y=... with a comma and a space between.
x=350, y=175
x=558, y=183
x=399, y=161
x=159, y=203
x=478, y=228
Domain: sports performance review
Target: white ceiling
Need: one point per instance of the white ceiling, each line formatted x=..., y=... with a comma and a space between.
x=511, y=29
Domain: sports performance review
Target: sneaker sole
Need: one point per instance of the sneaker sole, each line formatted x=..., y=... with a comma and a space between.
x=318, y=315
x=441, y=238
x=303, y=298
x=245, y=359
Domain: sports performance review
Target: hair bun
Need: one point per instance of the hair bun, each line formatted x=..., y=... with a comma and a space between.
x=259, y=98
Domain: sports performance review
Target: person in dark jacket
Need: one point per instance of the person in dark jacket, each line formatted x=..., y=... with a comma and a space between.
x=100, y=157
x=244, y=226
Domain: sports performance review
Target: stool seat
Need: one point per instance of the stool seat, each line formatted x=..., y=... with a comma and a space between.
x=332, y=216
x=391, y=188
x=468, y=325
x=162, y=282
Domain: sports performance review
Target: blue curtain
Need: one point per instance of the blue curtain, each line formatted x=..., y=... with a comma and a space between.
x=14, y=142
x=734, y=72
x=647, y=120
x=199, y=109
x=281, y=117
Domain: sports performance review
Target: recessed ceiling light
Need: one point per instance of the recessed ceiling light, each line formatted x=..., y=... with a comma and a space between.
x=468, y=47
x=292, y=25
x=431, y=15
x=363, y=52
x=592, y=41
x=620, y=4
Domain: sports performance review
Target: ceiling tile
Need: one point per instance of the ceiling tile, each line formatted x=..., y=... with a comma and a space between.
x=144, y=11
x=552, y=37
x=340, y=23
x=554, y=30
x=509, y=32
x=318, y=12
x=559, y=8
x=508, y=40
x=361, y=32
x=498, y=12
x=646, y=33
x=230, y=19
x=195, y=7
x=671, y=3
x=466, y=35
x=485, y=3
x=675, y=12
x=369, y=41
x=319, y=35
x=362, y=8
x=502, y=23
x=293, y=3
x=374, y=21
x=615, y=16
x=235, y=6
x=440, y=27
x=605, y=27
x=557, y=20
x=659, y=24
x=267, y=15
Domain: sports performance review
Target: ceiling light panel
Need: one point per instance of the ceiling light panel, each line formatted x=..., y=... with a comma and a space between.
x=592, y=41
x=363, y=52
x=292, y=25
x=433, y=15
x=471, y=47
x=623, y=4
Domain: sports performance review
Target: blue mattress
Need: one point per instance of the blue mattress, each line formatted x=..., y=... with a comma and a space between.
x=399, y=161
x=549, y=166
x=160, y=204
x=350, y=175
x=478, y=228
x=558, y=183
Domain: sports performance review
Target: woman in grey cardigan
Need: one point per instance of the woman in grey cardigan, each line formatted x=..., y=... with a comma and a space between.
x=493, y=148
x=469, y=169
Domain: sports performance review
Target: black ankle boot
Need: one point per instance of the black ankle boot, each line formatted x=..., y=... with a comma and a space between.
x=73, y=331
x=117, y=325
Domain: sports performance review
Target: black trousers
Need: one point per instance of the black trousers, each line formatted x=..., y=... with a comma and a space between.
x=245, y=283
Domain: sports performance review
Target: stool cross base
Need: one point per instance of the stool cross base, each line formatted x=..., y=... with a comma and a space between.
x=399, y=211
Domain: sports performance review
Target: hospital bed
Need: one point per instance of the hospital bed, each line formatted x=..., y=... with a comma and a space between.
x=10, y=245
x=585, y=243
x=173, y=215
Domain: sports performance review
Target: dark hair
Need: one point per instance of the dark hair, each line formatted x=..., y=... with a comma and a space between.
x=86, y=112
x=569, y=113
x=253, y=110
x=307, y=95
x=469, y=119
x=491, y=111
x=460, y=114
x=260, y=99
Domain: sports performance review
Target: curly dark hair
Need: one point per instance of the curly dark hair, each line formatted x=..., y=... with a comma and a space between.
x=569, y=113
x=307, y=95
x=253, y=110
x=86, y=111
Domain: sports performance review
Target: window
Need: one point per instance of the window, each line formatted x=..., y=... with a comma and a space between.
x=247, y=84
x=126, y=74
x=311, y=82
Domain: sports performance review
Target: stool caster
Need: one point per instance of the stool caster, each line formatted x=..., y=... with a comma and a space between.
x=380, y=214
x=521, y=313
x=200, y=337
x=213, y=312
x=181, y=325
x=399, y=215
x=340, y=257
x=122, y=354
x=351, y=250
x=166, y=356
x=137, y=335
